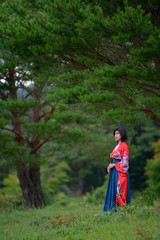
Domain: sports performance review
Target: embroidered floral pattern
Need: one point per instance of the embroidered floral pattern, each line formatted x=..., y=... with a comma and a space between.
x=121, y=151
x=118, y=194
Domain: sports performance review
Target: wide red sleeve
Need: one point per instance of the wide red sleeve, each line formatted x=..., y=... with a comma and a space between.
x=123, y=165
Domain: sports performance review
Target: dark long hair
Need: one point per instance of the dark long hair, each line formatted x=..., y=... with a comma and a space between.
x=122, y=132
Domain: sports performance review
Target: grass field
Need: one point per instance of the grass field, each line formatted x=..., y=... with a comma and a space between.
x=75, y=219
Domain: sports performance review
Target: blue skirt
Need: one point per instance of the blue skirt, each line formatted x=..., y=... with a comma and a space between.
x=110, y=199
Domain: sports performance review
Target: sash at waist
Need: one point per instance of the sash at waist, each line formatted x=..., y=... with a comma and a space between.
x=116, y=160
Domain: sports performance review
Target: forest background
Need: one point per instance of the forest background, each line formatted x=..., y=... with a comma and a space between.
x=71, y=72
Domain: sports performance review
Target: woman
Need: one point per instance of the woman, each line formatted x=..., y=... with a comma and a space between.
x=118, y=192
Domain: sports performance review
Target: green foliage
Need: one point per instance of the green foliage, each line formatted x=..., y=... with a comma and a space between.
x=153, y=169
x=18, y=105
x=87, y=158
x=145, y=135
x=54, y=179
x=145, y=197
x=10, y=193
x=60, y=178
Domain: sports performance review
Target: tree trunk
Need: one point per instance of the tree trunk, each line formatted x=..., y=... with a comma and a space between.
x=30, y=185
x=81, y=184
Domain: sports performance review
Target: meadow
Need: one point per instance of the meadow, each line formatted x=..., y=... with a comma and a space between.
x=77, y=219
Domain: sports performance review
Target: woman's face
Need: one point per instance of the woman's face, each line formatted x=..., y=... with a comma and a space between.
x=117, y=136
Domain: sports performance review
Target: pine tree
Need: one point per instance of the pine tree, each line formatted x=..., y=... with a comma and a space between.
x=27, y=119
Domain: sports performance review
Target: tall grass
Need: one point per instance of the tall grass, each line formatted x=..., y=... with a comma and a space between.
x=75, y=219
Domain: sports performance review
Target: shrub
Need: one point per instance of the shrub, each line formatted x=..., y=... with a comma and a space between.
x=153, y=169
x=10, y=194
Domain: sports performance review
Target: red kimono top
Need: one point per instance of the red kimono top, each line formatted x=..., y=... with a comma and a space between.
x=121, y=152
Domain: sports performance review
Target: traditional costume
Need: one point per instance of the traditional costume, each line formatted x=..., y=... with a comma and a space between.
x=118, y=190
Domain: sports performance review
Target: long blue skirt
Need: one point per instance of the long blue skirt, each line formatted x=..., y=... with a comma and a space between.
x=110, y=199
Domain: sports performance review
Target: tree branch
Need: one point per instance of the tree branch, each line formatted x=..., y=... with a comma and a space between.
x=157, y=66
x=149, y=90
x=13, y=131
x=38, y=146
x=148, y=112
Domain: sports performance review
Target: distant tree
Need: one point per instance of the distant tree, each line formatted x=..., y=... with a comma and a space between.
x=87, y=159
x=146, y=134
x=153, y=169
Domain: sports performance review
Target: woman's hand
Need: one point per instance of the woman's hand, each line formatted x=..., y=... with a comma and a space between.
x=108, y=170
x=111, y=165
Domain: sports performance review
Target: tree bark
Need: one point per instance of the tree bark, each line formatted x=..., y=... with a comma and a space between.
x=81, y=184
x=30, y=184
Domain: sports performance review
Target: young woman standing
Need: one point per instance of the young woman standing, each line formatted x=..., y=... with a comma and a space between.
x=118, y=190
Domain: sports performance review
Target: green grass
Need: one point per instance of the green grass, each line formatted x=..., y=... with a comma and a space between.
x=74, y=219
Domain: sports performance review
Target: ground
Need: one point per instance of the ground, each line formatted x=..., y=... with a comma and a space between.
x=75, y=219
